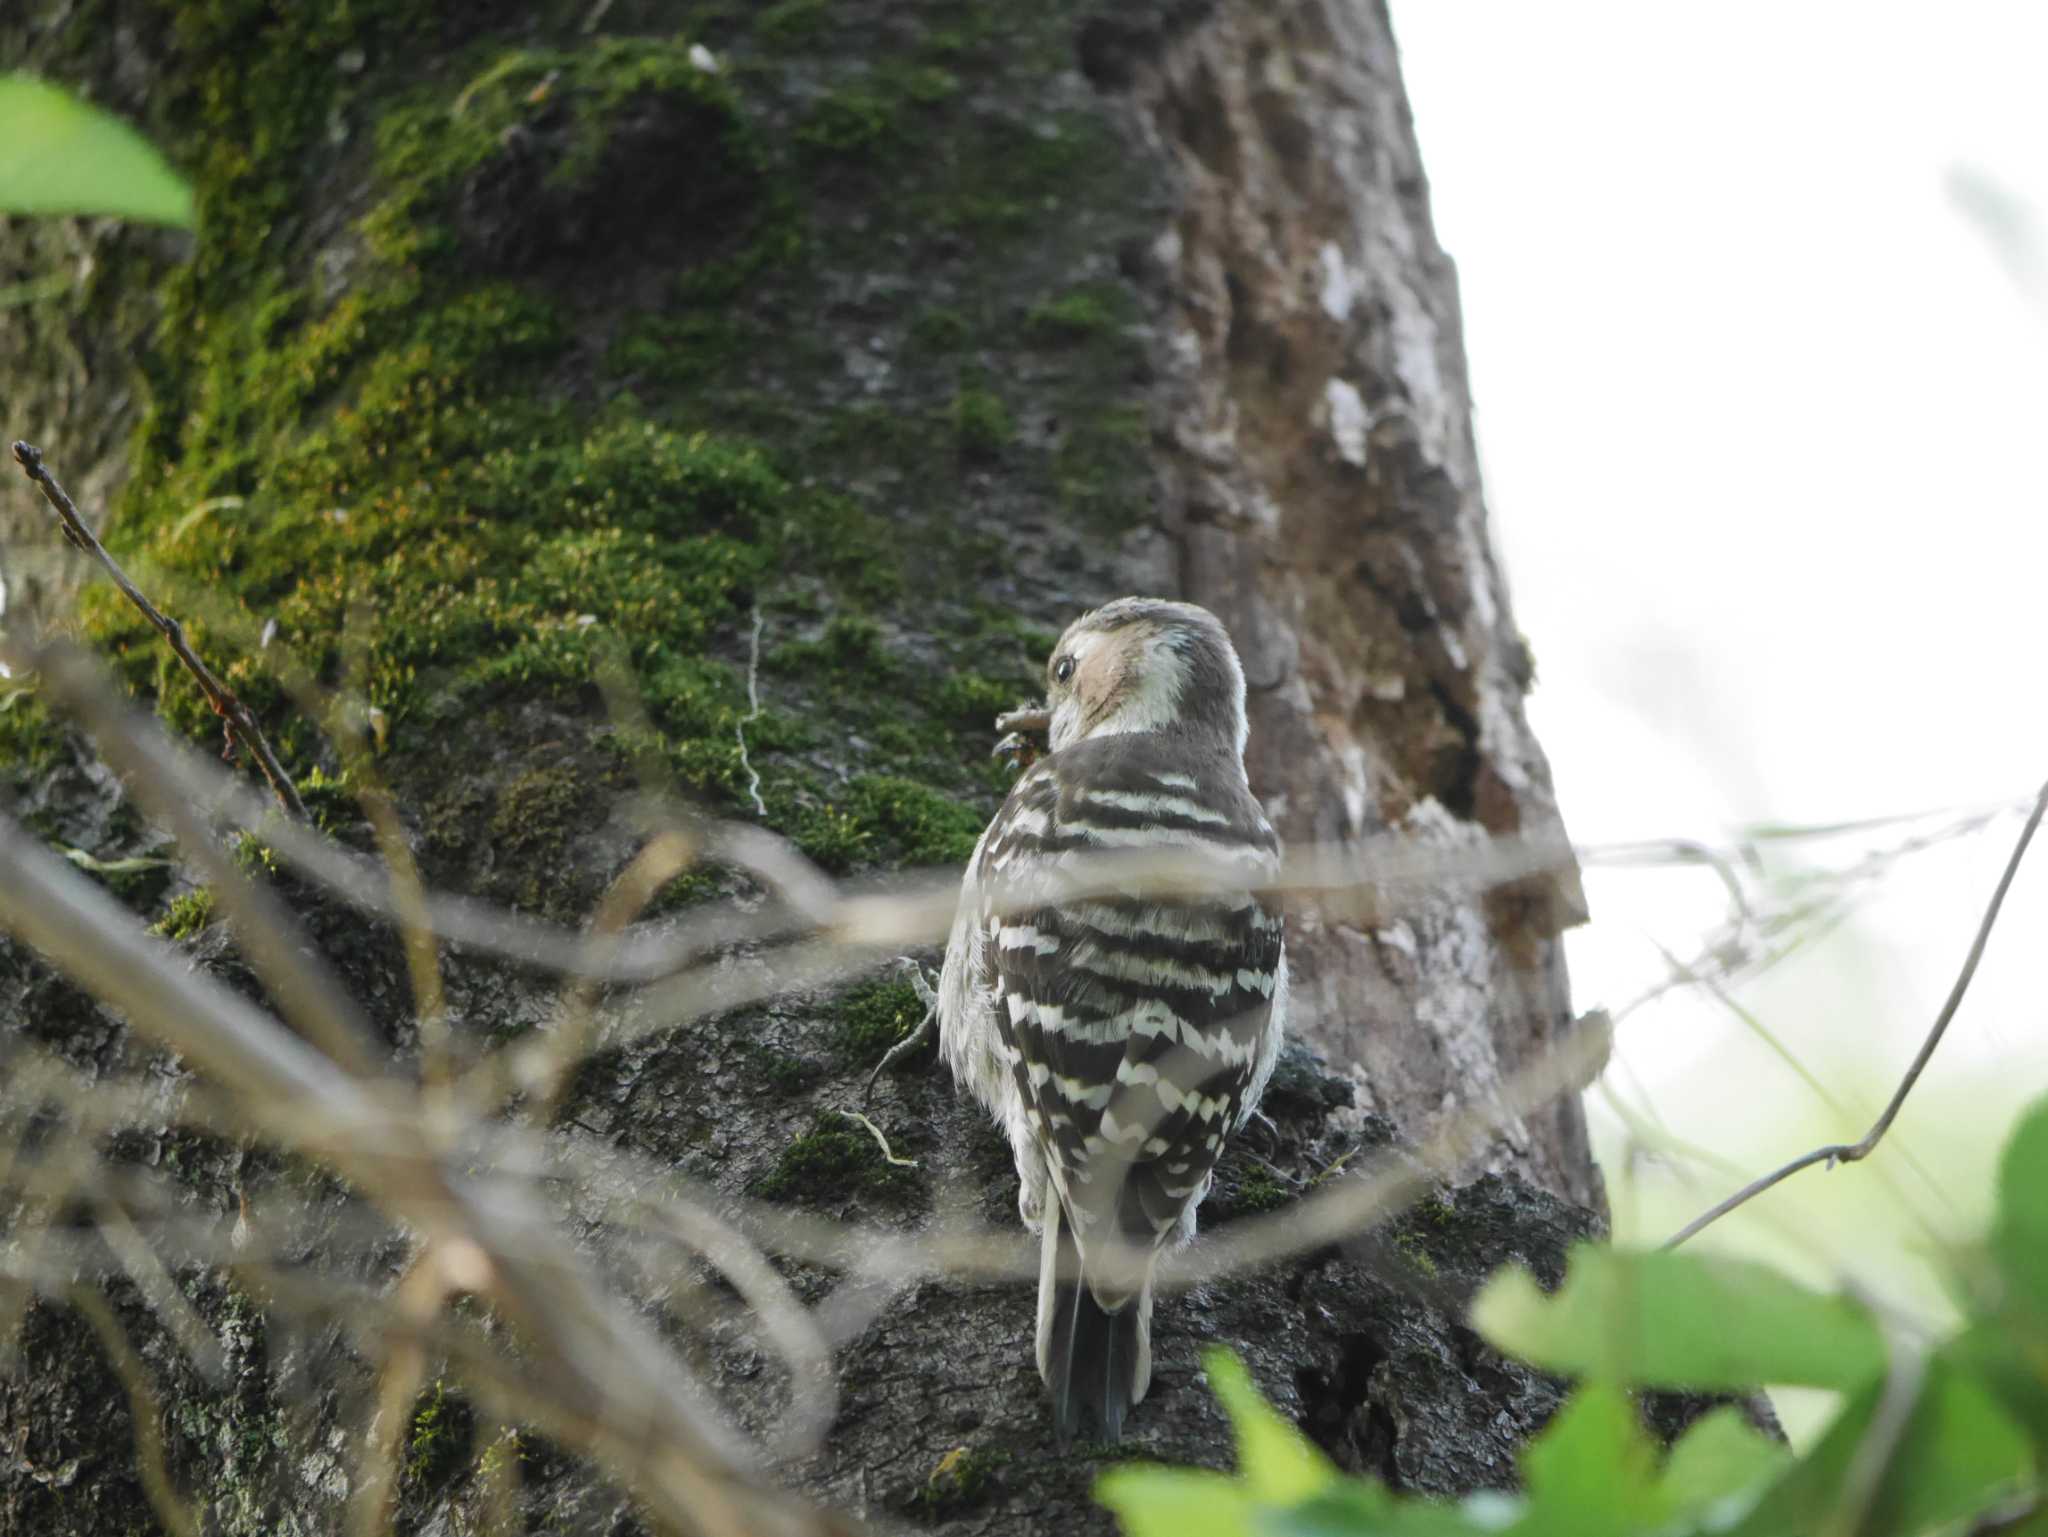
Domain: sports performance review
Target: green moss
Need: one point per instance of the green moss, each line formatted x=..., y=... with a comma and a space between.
x=31, y=742
x=963, y=1478
x=1416, y=1252
x=503, y=1458
x=536, y=815
x=437, y=1443
x=883, y=819
x=853, y=120
x=783, y=1073
x=836, y=1159
x=543, y=127
x=188, y=913
x=1000, y=630
x=1260, y=1192
x=789, y=24
x=331, y=799
x=496, y=444
x=873, y=1017
x=927, y=85
x=678, y=351
x=1007, y=177
x=851, y=646
x=1101, y=468
x=913, y=824
x=393, y=454
x=701, y=883
x=940, y=329
x=981, y=423
x=871, y=117
x=252, y=856
x=1082, y=315
x=972, y=701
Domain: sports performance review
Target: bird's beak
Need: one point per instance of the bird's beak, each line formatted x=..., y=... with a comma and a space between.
x=1032, y=719
x=1019, y=727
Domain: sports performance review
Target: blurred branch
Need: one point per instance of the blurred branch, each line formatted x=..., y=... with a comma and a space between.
x=1876, y=1449
x=236, y=720
x=1856, y=1151
x=143, y=1411
x=494, y=1208
x=306, y=987
x=604, y=1368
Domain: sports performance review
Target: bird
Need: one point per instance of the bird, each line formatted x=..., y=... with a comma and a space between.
x=1119, y=1032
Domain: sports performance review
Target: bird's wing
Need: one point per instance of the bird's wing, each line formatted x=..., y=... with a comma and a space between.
x=1132, y=1024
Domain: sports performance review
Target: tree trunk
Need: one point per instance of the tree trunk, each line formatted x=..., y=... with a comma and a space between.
x=1326, y=503
x=875, y=342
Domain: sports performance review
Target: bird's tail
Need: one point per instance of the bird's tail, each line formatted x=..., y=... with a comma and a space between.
x=1096, y=1358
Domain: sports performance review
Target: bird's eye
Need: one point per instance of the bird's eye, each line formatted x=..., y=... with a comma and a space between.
x=1063, y=669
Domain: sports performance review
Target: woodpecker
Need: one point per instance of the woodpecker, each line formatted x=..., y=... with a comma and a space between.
x=1119, y=1036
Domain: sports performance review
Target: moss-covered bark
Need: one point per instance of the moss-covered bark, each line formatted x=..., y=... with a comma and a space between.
x=519, y=347
x=501, y=357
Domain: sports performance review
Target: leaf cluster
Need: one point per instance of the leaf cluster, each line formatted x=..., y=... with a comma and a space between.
x=1932, y=1435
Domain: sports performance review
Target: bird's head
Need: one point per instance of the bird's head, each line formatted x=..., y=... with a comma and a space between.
x=1144, y=664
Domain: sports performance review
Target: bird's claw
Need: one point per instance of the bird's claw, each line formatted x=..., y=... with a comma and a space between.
x=1269, y=1134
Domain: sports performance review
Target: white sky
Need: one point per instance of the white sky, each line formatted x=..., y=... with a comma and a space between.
x=1764, y=418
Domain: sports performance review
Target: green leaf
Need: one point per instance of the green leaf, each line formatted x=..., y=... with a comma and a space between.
x=2007, y=1345
x=60, y=156
x=1591, y=1473
x=1277, y=1462
x=1958, y=1455
x=1680, y=1320
x=2019, y=1232
x=2009, y=1356
x=1719, y=1459
x=1352, y=1508
x=1175, y=1502
x=1347, y=1509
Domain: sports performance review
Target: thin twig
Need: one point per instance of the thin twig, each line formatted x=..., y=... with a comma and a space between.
x=236, y=720
x=1855, y=1152
x=552, y=1059
x=611, y=1387
x=753, y=714
x=143, y=1410
x=919, y=1036
x=875, y=1131
x=416, y=1299
x=1875, y=1450
x=312, y=996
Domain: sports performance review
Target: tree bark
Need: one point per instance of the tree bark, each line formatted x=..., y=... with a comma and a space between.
x=1327, y=504
x=884, y=340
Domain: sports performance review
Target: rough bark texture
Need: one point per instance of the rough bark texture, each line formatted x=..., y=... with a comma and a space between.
x=915, y=330
x=1329, y=508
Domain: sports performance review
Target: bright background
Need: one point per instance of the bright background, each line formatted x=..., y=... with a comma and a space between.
x=1756, y=303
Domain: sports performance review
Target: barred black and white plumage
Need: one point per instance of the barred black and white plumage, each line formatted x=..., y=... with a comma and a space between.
x=1119, y=1038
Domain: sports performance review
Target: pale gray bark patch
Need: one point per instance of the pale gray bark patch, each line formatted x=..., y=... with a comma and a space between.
x=1324, y=490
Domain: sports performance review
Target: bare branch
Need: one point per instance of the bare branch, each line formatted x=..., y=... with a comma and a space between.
x=310, y=993
x=415, y=1300
x=236, y=720
x=142, y=1410
x=1880, y=1443
x=888, y=1152
x=1856, y=1151
x=617, y=1392
x=753, y=714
